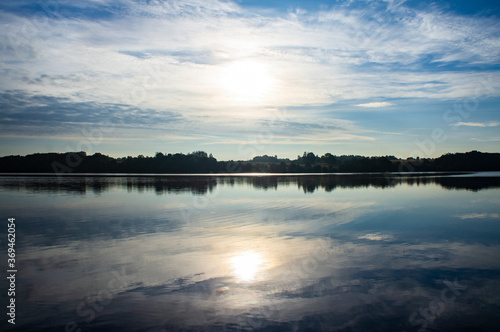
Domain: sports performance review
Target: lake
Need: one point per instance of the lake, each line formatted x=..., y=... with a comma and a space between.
x=254, y=253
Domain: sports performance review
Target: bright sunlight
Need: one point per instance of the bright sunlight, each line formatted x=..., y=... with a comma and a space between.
x=247, y=80
x=246, y=265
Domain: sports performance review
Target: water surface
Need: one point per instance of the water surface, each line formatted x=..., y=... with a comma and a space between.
x=255, y=253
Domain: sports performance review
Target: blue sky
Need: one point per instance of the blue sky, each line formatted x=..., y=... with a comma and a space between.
x=245, y=78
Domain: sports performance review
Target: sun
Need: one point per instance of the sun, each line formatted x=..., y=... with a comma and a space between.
x=246, y=265
x=247, y=80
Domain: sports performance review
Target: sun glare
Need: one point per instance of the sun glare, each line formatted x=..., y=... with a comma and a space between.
x=246, y=265
x=246, y=81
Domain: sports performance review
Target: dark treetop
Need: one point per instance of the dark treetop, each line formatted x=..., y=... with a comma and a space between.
x=200, y=162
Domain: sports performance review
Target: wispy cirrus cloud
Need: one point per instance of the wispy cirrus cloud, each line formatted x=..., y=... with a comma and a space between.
x=479, y=216
x=490, y=139
x=376, y=237
x=477, y=124
x=376, y=104
x=216, y=32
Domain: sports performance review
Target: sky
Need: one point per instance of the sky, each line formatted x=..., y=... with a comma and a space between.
x=245, y=78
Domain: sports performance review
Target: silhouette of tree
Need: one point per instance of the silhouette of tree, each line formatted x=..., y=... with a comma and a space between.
x=201, y=162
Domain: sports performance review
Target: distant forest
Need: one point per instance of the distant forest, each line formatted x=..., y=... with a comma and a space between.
x=200, y=162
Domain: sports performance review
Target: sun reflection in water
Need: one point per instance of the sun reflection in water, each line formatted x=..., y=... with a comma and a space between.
x=246, y=265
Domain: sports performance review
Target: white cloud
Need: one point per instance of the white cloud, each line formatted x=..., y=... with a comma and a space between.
x=479, y=216
x=492, y=139
x=477, y=124
x=376, y=237
x=376, y=104
x=190, y=41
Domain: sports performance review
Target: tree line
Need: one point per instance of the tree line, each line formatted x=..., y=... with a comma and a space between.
x=200, y=162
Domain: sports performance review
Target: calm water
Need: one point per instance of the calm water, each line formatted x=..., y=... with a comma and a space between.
x=269, y=253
